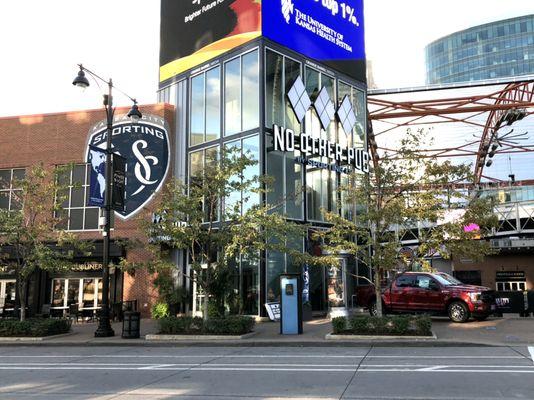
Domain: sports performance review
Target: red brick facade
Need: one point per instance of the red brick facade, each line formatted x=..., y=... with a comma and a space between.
x=61, y=138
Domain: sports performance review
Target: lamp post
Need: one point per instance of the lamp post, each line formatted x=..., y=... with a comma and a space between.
x=104, y=326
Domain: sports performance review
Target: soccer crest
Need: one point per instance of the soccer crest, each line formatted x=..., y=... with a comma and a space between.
x=145, y=146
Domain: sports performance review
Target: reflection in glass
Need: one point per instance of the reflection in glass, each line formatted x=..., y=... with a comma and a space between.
x=88, y=299
x=292, y=71
x=58, y=292
x=251, y=149
x=232, y=97
x=73, y=291
x=274, y=98
x=275, y=267
x=213, y=89
x=250, y=86
x=197, y=110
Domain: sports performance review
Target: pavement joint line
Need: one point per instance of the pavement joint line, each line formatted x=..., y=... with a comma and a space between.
x=355, y=372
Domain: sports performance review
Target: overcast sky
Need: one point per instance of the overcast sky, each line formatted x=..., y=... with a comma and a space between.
x=43, y=40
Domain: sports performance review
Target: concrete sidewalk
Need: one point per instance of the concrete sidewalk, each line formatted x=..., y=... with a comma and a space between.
x=507, y=331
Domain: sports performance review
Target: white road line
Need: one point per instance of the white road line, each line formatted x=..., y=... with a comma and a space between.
x=265, y=356
x=323, y=370
x=531, y=351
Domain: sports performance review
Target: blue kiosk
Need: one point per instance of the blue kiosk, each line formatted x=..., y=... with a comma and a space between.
x=291, y=304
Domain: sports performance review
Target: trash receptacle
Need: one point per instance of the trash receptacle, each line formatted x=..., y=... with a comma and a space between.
x=131, y=324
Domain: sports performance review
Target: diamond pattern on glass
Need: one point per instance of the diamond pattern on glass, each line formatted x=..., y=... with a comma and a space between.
x=299, y=99
x=324, y=107
x=346, y=116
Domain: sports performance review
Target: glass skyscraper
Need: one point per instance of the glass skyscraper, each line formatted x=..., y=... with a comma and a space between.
x=494, y=50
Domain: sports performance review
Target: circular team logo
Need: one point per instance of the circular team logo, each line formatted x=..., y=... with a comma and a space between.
x=145, y=146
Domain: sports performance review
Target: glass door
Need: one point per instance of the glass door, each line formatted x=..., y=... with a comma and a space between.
x=8, y=292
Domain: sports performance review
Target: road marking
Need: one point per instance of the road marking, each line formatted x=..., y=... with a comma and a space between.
x=435, y=369
x=261, y=356
x=531, y=351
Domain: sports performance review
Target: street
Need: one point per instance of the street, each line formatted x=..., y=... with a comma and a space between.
x=266, y=372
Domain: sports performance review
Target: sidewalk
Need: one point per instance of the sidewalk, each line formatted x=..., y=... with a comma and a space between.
x=507, y=331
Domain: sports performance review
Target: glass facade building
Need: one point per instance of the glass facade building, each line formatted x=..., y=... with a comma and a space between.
x=234, y=101
x=495, y=50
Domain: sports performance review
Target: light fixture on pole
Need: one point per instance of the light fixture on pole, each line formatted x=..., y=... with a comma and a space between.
x=104, y=325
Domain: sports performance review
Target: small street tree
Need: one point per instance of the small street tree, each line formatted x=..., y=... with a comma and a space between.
x=29, y=239
x=216, y=218
x=406, y=192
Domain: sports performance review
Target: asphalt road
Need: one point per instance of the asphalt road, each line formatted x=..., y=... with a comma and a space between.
x=217, y=373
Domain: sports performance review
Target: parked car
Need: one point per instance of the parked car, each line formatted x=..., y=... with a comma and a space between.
x=432, y=293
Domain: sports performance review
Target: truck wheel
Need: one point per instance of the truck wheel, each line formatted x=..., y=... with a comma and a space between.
x=458, y=312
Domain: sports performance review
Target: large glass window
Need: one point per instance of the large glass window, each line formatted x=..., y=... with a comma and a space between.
x=10, y=192
x=198, y=160
x=86, y=292
x=321, y=183
x=241, y=93
x=279, y=263
x=250, y=148
x=205, y=107
x=286, y=191
x=75, y=214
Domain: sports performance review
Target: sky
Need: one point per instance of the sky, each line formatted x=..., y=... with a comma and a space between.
x=42, y=41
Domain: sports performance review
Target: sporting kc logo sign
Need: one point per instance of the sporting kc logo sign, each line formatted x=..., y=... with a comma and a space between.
x=145, y=146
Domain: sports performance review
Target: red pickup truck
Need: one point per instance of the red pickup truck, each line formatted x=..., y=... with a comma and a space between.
x=433, y=293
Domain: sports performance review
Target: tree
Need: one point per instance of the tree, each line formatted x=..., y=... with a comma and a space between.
x=215, y=227
x=28, y=234
x=406, y=191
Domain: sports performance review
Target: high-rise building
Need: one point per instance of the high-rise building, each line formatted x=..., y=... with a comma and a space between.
x=495, y=50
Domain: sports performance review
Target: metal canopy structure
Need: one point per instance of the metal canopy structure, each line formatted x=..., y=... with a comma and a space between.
x=470, y=123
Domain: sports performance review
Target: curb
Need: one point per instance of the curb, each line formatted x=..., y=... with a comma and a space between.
x=331, y=336
x=31, y=339
x=152, y=337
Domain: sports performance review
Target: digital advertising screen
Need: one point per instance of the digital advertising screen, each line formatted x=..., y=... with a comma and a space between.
x=328, y=31
x=195, y=31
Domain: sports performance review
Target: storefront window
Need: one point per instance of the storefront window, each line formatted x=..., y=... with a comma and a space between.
x=205, y=107
x=321, y=189
x=81, y=291
x=286, y=191
x=232, y=96
x=241, y=88
x=274, y=89
x=249, y=147
x=197, y=162
x=279, y=263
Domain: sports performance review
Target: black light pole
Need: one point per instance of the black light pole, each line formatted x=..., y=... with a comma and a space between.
x=104, y=325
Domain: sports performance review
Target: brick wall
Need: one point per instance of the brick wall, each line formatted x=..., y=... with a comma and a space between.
x=61, y=138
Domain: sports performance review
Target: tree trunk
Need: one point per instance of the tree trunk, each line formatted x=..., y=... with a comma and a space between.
x=378, y=293
x=22, y=297
x=206, y=294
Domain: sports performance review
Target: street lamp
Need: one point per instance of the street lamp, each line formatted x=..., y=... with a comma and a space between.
x=104, y=326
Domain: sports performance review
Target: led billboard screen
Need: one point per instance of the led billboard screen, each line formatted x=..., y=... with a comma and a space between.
x=195, y=31
x=329, y=31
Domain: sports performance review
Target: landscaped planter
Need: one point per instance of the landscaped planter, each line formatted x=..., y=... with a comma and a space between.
x=230, y=327
x=34, y=328
x=387, y=327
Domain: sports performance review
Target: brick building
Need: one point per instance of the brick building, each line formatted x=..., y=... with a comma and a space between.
x=61, y=139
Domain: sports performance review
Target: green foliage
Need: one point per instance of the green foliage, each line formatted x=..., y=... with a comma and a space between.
x=339, y=325
x=231, y=325
x=159, y=310
x=398, y=325
x=34, y=327
x=197, y=217
x=403, y=191
x=180, y=325
x=32, y=233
